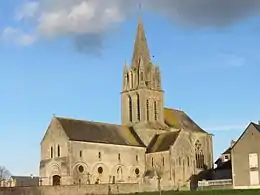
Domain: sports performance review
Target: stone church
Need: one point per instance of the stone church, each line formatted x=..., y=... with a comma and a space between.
x=152, y=140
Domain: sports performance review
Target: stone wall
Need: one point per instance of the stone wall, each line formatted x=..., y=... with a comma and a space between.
x=100, y=189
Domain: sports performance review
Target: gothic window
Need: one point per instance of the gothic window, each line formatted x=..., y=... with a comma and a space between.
x=147, y=110
x=130, y=109
x=142, y=76
x=127, y=79
x=138, y=106
x=132, y=80
x=51, y=152
x=80, y=153
x=58, y=152
x=199, y=155
x=81, y=169
x=119, y=172
x=99, y=155
x=119, y=157
x=100, y=170
x=155, y=111
x=163, y=161
x=137, y=171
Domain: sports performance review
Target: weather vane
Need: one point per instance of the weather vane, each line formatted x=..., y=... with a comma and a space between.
x=140, y=8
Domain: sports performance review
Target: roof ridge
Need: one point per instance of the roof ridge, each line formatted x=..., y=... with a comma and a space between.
x=88, y=121
x=174, y=109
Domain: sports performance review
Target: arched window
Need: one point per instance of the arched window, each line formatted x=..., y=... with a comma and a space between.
x=155, y=111
x=152, y=162
x=127, y=79
x=132, y=80
x=119, y=157
x=199, y=155
x=138, y=106
x=58, y=150
x=51, y=152
x=163, y=161
x=147, y=110
x=130, y=109
x=142, y=76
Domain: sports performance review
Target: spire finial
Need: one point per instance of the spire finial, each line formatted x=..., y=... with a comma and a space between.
x=139, y=12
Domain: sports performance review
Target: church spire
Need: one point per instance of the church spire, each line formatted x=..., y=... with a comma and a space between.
x=140, y=46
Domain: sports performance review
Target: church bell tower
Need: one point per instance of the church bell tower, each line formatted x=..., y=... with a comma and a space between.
x=142, y=95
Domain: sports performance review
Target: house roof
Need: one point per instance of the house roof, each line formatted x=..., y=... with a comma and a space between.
x=180, y=120
x=26, y=180
x=88, y=131
x=224, y=165
x=162, y=142
x=257, y=128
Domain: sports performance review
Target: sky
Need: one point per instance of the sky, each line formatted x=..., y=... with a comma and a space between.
x=66, y=58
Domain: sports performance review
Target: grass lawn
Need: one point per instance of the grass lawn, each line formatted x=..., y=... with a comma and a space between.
x=212, y=192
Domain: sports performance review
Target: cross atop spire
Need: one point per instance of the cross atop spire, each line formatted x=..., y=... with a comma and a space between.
x=141, y=49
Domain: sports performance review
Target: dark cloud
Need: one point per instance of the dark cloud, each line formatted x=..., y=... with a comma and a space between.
x=208, y=13
x=90, y=44
x=89, y=20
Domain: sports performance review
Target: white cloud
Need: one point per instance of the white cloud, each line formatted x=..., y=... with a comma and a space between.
x=28, y=10
x=88, y=17
x=16, y=36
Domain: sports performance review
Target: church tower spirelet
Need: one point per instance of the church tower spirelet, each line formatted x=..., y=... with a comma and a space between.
x=142, y=95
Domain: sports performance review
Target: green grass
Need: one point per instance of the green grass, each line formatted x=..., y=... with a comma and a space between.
x=212, y=192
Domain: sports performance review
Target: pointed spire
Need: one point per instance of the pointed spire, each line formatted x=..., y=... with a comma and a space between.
x=125, y=68
x=140, y=46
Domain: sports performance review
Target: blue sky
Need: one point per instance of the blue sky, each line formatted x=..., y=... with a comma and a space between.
x=210, y=73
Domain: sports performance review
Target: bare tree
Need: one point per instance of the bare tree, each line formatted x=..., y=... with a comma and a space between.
x=4, y=174
x=159, y=172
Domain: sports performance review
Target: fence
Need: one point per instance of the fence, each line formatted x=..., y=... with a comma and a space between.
x=215, y=184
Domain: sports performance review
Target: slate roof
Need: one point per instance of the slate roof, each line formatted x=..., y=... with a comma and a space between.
x=88, y=131
x=179, y=119
x=162, y=142
x=25, y=180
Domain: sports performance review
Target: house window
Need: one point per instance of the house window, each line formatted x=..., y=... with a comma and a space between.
x=253, y=160
x=99, y=155
x=58, y=152
x=51, y=152
x=80, y=153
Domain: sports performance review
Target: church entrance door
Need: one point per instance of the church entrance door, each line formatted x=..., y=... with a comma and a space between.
x=56, y=180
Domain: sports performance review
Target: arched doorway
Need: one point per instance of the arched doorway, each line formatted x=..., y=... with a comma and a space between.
x=55, y=180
